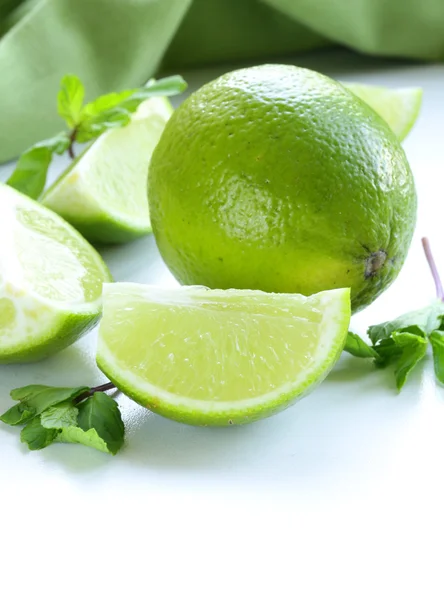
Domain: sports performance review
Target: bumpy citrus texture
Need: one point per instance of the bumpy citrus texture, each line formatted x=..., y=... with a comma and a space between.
x=50, y=280
x=218, y=357
x=278, y=178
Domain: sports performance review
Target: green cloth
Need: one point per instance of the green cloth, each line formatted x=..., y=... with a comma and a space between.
x=113, y=44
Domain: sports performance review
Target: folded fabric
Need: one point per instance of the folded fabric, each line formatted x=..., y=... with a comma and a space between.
x=113, y=44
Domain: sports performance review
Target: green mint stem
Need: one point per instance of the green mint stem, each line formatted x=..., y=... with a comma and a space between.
x=72, y=139
x=104, y=387
x=433, y=268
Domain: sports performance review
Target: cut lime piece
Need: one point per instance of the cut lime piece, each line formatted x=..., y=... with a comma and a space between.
x=103, y=193
x=398, y=107
x=50, y=280
x=213, y=357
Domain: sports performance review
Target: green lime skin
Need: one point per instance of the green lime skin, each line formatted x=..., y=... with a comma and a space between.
x=278, y=178
x=64, y=333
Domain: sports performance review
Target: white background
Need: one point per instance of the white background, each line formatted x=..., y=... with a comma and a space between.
x=341, y=496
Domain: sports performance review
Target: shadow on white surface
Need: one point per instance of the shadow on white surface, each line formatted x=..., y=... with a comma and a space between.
x=323, y=436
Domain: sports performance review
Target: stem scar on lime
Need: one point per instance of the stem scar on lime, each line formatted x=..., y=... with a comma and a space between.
x=374, y=263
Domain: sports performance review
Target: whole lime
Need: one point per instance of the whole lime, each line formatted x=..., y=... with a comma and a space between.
x=278, y=178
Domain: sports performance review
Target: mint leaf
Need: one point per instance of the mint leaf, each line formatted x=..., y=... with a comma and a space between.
x=37, y=436
x=425, y=320
x=75, y=435
x=356, y=346
x=413, y=348
x=61, y=415
x=168, y=86
x=100, y=412
x=35, y=399
x=106, y=102
x=129, y=100
x=114, y=110
x=387, y=352
x=62, y=419
x=404, y=349
x=93, y=127
x=34, y=393
x=18, y=414
x=29, y=175
x=437, y=340
x=70, y=100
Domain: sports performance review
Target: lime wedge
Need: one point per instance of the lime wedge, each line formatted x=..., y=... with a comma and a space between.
x=103, y=193
x=212, y=357
x=398, y=107
x=50, y=280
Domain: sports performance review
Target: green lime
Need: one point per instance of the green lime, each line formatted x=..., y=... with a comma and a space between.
x=212, y=357
x=103, y=193
x=399, y=107
x=50, y=280
x=278, y=178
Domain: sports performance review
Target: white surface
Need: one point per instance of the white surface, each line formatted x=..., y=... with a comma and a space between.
x=341, y=496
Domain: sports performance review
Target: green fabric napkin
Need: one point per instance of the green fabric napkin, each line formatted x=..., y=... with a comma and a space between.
x=113, y=44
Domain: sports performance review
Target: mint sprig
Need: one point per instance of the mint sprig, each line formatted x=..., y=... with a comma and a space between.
x=33, y=400
x=403, y=342
x=85, y=123
x=79, y=415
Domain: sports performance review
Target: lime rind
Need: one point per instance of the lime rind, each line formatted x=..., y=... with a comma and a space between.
x=398, y=107
x=63, y=331
x=335, y=307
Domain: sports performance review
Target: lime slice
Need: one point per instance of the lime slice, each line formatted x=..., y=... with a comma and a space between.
x=103, y=194
x=50, y=280
x=212, y=357
x=398, y=107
